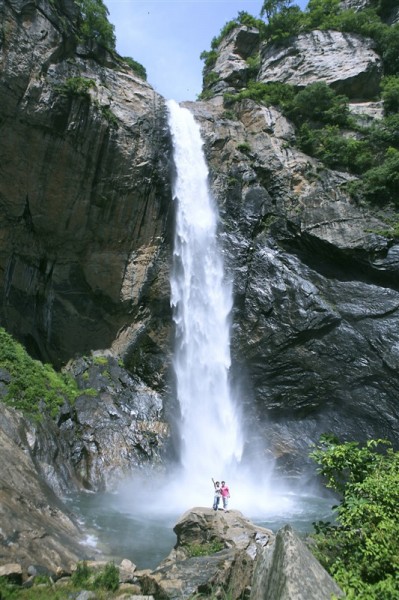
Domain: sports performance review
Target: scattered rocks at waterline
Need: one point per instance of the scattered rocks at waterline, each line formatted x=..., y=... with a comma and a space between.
x=215, y=553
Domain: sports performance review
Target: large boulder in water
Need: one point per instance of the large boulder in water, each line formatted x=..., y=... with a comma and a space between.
x=215, y=551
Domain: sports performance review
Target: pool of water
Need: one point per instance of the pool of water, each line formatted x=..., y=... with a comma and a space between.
x=116, y=529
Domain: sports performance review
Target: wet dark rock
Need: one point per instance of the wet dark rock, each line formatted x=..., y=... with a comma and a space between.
x=116, y=426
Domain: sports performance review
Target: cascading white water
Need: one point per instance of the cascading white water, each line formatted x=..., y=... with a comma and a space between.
x=211, y=437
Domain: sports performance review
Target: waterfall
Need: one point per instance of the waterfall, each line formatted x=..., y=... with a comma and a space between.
x=201, y=298
x=211, y=435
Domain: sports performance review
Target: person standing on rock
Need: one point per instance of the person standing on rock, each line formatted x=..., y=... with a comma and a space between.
x=217, y=494
x=225, y=492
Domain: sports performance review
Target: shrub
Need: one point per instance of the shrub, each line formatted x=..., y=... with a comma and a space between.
x=205, y=549
x=244, y=147
x=81, y=575
x=319, y=103
x=108, y=578
x=136, y=67
x=361, y=550
x=209, y=58
x=335, y=151
x=284, y=24
x=381, y=183
x=390, y=94
x=76, y=86
x=270, y=94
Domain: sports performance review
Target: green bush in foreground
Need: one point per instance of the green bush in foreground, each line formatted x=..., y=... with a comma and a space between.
x=361, y=551
x=33, y=386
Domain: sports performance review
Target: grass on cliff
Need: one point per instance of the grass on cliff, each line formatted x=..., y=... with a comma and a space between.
x=30, y=385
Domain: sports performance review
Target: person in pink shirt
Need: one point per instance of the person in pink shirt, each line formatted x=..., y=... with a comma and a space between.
x=224, y=490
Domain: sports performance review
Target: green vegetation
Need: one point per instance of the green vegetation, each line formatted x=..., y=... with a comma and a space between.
x=136, y=67
x=244, y=147
x=361, y=551
x=94, y=25
x=205, y=549
x=109, y=116
x=76, y=86
x=34, y=387
x=103, y=582
x=107, y=578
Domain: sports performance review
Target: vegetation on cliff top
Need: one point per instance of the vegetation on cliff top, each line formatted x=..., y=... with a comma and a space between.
x=361, y=551
x=93, y=26
x=324, y=126
x=30, y=385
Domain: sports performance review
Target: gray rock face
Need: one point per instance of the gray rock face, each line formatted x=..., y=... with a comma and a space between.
x=346, y=62
x=84, y=190
x=287, y=570
x=231, y=64
x=117, y=430
x=35, y=526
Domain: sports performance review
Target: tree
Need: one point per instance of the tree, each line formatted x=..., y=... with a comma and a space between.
x=272, y=7
x=94, y=25
x=361, y=550
x=319, y=103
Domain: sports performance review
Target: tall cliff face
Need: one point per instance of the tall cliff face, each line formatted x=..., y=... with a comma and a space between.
x=86, y=226
x=84, y=192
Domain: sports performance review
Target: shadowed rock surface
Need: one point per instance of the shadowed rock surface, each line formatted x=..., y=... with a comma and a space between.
x=36, y=528
x=289, y=571
x=84, y=190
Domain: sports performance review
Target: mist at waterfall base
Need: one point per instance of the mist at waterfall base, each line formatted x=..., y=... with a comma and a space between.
x=212, y=439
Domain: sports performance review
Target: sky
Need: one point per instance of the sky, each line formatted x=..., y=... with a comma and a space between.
x=168, y=36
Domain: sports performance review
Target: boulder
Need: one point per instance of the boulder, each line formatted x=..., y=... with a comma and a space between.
x=287, y=570
x=215, y=552
x=231, y=65
x=345, y=61
x=12, y=573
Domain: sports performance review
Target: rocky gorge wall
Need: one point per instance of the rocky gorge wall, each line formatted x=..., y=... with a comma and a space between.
x=86, y=221
x=85, y=191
